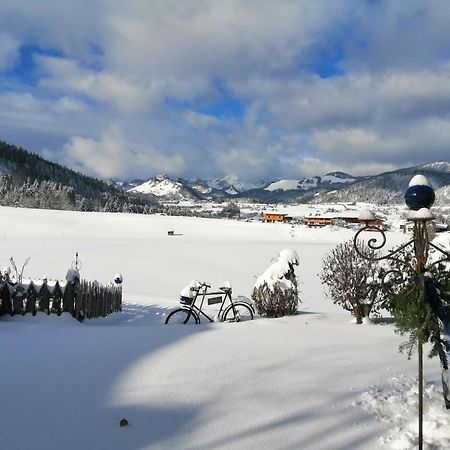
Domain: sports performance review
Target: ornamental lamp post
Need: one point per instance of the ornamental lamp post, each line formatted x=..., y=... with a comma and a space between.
x=419, y=198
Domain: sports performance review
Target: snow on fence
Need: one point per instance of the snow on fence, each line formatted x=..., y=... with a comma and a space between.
x=84, y=300
x=95, y=300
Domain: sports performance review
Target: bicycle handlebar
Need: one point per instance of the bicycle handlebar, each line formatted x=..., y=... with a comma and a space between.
x=196, y=286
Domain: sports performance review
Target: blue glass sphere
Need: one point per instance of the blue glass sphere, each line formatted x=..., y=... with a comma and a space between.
x=419, y=196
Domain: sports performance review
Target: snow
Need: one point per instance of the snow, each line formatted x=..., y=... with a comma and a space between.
x=189, y=290
x=334, y=179
x=309, y=183
x=366, y=215
x=226, y=285
x=396, y=406
x=294, y=382
x=202, y=189
x=419, y=180
x=232, y=191
x=74, y=274
x=275, y=273
x=284, y=185
x=160, y=186
x=235, y=184
x=442, y=240
x=440, y=166
x=421, y=214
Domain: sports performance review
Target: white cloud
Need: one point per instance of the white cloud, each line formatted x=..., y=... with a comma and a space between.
x=104, y=157
x=308, y=102
x=314, y=166
x=68, y=104
x=395, y=34
x=112, y=155
x=408, y=144
x=199, y=120
x=204, y=38
x=67, y=76
x=8, y=51
x=69, y=27
x=28, y=113
x=153, y=68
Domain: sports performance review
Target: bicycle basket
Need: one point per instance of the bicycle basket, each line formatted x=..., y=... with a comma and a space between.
x=185, y=300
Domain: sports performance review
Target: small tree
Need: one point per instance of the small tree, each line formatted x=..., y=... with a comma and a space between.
x=230, y=210
x=352, y=280
x=423, y=313
x=276, y=291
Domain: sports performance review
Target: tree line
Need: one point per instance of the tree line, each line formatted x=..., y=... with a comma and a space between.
x=29, y=181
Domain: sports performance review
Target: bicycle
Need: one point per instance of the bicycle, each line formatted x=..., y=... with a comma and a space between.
x=190, y=313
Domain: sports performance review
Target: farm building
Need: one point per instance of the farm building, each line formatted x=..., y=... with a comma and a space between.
x=276, y=217
x=321, y=221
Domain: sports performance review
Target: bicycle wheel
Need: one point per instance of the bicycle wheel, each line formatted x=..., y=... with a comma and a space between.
x=182, y=316
x=244, y=312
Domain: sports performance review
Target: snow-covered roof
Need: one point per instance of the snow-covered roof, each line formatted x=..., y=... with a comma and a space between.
x=366, y=215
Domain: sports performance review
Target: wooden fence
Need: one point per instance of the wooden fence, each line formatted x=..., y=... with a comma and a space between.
x=84, y=300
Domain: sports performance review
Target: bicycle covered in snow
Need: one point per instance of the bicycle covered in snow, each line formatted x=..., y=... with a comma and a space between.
x=231, y=310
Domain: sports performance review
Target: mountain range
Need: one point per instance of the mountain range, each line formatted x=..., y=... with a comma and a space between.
x=166, y=189
x=384, y=188
x=28, y=180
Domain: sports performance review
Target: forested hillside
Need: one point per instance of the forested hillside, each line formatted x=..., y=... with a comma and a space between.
x=28, y=180
x=389, y=187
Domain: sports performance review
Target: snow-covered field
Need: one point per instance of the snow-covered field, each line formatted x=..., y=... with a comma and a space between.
x=312, y=381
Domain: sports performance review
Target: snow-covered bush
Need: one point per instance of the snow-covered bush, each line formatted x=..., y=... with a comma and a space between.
x=276, y=291
x=352, y=280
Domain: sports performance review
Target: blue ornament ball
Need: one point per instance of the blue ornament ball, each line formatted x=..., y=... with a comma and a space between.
x=419, y=196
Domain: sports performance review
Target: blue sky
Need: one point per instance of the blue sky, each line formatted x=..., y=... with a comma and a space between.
x=253, y=88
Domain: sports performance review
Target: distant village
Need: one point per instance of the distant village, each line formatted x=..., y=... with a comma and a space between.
x=320, y=221
x=341, y=219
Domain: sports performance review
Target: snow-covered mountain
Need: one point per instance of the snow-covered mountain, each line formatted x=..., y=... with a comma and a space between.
x=331, y=180
x=192, y=188
x=233, y=185
x=166, y=189
x=384, y=188
x=229, y=185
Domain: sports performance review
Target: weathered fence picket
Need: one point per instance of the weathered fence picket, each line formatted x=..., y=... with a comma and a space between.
x=81, y=299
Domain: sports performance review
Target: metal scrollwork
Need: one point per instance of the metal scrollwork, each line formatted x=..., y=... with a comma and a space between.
x=373, y=243
x=396, y=279
x=396, y=283
x=444, y=257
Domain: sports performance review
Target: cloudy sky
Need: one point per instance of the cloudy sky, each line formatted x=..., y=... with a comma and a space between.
x=254, y=88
